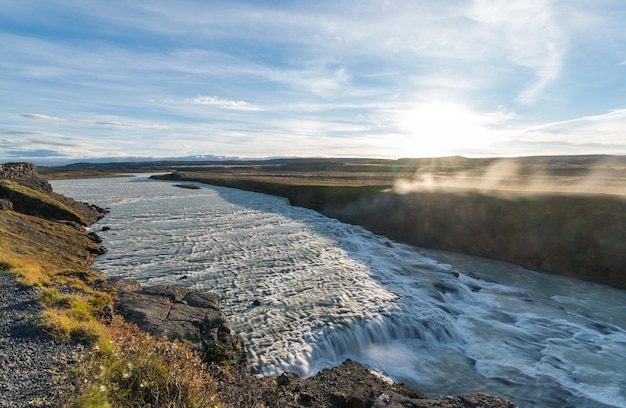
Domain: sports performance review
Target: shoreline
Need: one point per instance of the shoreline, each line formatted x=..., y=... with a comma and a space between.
x=580, y=236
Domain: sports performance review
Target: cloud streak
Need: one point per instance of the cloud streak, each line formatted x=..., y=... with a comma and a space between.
x=222, y=103
x=38, y=116
x=530, y=37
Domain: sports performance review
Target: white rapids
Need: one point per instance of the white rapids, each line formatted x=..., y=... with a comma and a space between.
x=441, y=322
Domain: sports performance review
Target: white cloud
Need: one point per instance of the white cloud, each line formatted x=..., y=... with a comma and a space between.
x=617, y=114
x=331, y=77
x=223, y=103
x=123, y=124
x=39, y=116
x=529, y=35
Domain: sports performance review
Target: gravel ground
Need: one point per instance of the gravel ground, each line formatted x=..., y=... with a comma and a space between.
x=31, y=361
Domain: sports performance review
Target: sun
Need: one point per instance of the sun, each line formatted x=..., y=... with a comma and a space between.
x=440, y=129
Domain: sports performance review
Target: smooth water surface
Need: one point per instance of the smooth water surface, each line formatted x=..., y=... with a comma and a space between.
x=441, y=322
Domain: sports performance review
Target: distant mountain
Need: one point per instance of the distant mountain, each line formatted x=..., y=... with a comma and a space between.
x=125, y=159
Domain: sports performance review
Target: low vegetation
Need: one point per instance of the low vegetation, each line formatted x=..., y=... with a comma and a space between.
x=119, y=366
x=129, y=368
x=36, y=203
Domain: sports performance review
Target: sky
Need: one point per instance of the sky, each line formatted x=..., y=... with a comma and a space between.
x=86, y=79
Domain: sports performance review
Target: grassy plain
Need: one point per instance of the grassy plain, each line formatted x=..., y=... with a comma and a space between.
x=574, y=174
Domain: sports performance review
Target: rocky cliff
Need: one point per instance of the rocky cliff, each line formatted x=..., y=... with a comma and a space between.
x=580, y=236
x=23, y=190
x=25, y=174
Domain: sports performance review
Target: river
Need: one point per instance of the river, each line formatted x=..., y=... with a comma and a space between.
x=443, y=323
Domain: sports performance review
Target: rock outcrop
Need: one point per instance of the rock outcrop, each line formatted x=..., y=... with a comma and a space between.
x=26, y=174
x=176, y=312
x=349, y=385
x=390, y=399
x=23, y=190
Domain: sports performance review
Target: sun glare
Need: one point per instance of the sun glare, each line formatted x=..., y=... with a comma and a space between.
x=443, y=128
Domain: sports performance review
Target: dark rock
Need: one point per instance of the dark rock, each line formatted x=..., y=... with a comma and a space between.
x=6, y=205
x=25, y=174
x=351, y=385
x=95, y=237
x=203, y=300
x=106, y=229
x=176, y=312
x=188, y=186
x=390, y=399
x=256, y=302
x=347, y=385
x=98, y=251
x=173, y=293
x=286, y=378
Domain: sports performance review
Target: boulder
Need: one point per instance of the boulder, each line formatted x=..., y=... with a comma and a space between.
x=176, y=312
x=391, y=399
x=6, y=205
x=348, y=385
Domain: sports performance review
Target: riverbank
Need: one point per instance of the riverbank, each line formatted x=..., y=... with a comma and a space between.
x=556, y=214
x=576, y=235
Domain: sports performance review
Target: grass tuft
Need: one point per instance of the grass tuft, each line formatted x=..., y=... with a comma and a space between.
x=28, y=273
x=137, y=369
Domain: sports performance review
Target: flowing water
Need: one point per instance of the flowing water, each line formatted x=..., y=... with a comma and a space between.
x=441, y=322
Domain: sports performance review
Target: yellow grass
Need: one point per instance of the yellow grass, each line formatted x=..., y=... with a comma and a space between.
x=28, y=273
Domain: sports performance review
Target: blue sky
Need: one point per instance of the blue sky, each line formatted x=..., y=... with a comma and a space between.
x=83, y=79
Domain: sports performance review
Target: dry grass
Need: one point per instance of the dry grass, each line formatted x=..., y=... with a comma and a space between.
x=28, y=273
x=53, y=247
x=67, y=315
x=37, y=203
x=134, y=369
